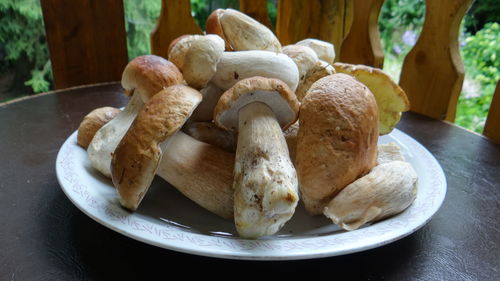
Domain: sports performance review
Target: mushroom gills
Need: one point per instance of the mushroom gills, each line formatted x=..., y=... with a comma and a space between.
x=265, y=181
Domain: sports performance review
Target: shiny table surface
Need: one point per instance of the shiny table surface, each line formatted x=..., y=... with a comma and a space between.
x=43, y=236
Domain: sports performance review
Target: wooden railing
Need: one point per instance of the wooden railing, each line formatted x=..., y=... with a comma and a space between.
x=87, y=43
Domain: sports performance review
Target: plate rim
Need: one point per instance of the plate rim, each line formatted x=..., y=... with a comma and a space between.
x=255, y=249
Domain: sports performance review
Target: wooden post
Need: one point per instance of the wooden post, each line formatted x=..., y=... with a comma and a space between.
x=175, y=20
x=492, y=126
x=433, y=72
x=362, y=44
x=87, y=41
x=328, y=20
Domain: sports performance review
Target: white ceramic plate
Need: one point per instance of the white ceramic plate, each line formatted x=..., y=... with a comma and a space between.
x=169, y=220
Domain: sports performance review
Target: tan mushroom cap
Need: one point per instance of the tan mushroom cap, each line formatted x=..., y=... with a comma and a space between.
x=149, y=74
x=337, y=138
x=273, y=92
x=136, y=158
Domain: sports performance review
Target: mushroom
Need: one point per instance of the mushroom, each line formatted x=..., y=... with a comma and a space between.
x=142, y=78
x=387, y=190
x=318, y=71
x=92, y=122
x=200, y=60
x=323, y=49
x=242, y=32
x=200, y=171
x=210, y=133
x=236, y=66
x=178, y=48
x=205, y=111
x=265, y=181
x=337, y=138
x=136, y=158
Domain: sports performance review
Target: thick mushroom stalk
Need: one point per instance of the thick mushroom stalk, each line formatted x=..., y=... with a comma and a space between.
x=265, y=180
x=143, y=77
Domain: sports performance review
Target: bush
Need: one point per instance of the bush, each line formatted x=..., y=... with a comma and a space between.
x=481, y=54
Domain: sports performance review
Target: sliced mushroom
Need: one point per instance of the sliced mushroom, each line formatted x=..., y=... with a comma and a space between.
x=323, y=49
x=92, y=122
x=391, y=98
x=137, y=157
x=236, y=66
x=337, y=138
x=142, y=78
x=265, y=181
x=241, y=31
x=387, y=190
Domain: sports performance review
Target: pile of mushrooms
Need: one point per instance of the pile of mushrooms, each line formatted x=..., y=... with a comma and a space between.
x=248, y=128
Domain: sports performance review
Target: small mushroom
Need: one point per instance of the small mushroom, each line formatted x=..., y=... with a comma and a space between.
x=201, y=59
x=242, y=32
x=387, y=190
x=92, y=122
x=265, y=181
x=236, y=66
x=142, y=78
x=178, y=48
x=337, y=138
x=323, y=49
x=137, y=157
x=304, y=57
x=318, y=71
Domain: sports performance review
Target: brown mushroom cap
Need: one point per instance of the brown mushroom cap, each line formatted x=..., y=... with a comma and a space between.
x=92, y=122
x=213, y=26
x=136, y=158
x=337, y=138
x=147, y=75
x=273, y=92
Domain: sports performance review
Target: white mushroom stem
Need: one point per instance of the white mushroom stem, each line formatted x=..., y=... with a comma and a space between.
x=107, y=138
x=265, y=181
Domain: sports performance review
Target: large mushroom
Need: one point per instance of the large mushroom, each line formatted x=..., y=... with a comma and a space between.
x=265, y=180
x=142, y=78
x=137, y=157
x=337, y=138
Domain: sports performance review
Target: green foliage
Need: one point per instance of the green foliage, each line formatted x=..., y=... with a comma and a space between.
x=22, y=39
x=481, y=54
x=140, y=20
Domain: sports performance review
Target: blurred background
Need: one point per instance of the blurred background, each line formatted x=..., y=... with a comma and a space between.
x=25, y=65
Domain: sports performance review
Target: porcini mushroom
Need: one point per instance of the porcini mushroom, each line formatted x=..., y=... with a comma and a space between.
x=265, y=181
x=236, y=66
x=142, y=78
x=138, y=154
x=178, y=48
x=337, y=138
x=92, y=122
x=241, y=31
x=201, y=59
x=324, y=50
x=318, y=71
x=304, y=57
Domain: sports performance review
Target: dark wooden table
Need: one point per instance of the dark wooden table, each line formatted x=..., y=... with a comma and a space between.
x=43, y=236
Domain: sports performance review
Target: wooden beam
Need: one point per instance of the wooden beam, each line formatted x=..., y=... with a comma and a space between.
x=492, y=126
